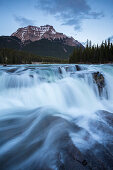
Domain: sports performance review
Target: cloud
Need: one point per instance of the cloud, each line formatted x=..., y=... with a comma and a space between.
x=23, y=21
x=69, y=12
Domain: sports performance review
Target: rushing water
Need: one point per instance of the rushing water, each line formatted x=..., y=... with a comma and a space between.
x=53, y=117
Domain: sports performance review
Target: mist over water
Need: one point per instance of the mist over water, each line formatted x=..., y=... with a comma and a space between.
x=56, y=117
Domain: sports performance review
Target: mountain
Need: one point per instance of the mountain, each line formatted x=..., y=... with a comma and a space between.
x=10, y=42
x=42, y=41
x=33, y=33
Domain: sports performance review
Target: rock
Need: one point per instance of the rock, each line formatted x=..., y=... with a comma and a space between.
x=106, y=116
x=34, y=33
x=84, y=162
x=55, y=146
x=60, y=70
x=77, y=67
x=31, y=76
x=12, y=70
x=4, y=65
x=67, y=69
x=100, y=81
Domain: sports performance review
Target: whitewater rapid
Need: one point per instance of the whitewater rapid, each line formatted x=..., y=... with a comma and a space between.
x=41, y=105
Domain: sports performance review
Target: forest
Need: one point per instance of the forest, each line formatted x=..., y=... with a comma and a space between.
x=11, y=56
x=94, y=54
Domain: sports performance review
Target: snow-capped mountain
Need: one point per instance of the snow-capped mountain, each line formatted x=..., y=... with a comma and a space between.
x=34, y=33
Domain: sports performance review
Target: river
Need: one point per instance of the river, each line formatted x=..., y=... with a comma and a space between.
x=56, y=117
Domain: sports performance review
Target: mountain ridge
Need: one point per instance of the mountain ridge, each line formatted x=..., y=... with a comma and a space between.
x=42, y=41
x=34, y=33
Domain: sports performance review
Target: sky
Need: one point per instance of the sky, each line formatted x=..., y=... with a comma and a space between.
x=81, y=19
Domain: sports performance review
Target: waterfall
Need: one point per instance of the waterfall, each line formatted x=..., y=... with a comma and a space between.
x=45, y=109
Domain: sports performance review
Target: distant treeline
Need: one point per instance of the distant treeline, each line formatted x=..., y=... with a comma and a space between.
x=90, y=54
x=93, y=54
x=11, y=56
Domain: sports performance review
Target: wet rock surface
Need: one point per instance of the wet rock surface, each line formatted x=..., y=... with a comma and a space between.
x=55, y=148
x=99, y=80
x=106, y=116
x=77, y=67
x=81, y=72
x=70, y=69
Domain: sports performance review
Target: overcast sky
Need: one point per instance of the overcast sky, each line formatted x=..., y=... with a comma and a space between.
x=82, y=19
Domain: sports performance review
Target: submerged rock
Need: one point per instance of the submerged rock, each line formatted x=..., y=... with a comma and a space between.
x=106, y=116
x=31, y=76
x=12, y=70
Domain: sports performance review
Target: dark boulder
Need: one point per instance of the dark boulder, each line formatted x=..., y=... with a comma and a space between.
x=60, y=70
x=67, y=69
x=4, y=65
x=77, y=67
x=31, y=76
x=100, y=81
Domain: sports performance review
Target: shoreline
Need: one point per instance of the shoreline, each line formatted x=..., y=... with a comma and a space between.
x=40, y=63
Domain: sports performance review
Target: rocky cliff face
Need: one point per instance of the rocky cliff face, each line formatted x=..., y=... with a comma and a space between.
x=33, y=33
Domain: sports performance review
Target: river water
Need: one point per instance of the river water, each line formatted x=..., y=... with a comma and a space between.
x=56, y=117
